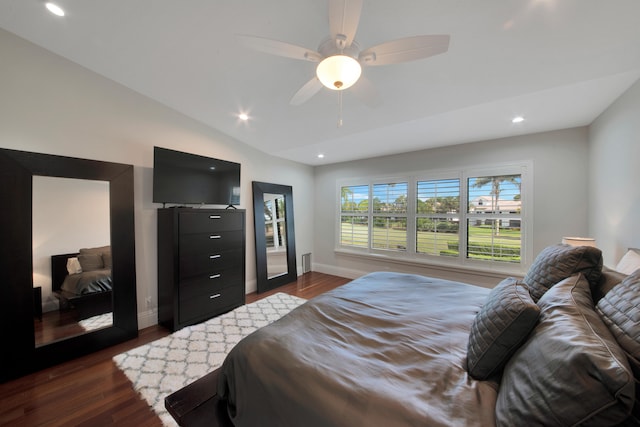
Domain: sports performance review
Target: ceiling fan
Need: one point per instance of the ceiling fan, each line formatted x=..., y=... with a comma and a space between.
x=339, y=57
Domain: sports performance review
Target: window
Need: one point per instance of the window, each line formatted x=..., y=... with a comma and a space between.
x=473, y=216
x=354, y=216
x=438, y=217
x=390, y=216
x=493, y=218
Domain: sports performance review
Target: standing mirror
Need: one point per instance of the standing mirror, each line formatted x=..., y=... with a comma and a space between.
x=33, y=229
x=274, y=235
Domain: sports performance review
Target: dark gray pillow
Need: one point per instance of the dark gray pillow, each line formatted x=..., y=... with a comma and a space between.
x=570, y=371
x=608, y=280
x=620, y=310
x=557, y=262
x=91, y=262
x=504, y=322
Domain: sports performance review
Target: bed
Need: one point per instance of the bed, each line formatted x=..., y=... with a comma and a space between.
x=82, y=281
x=560, y=347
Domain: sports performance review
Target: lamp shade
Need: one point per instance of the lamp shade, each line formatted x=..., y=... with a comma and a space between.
x=579, y=241
x=338, y=72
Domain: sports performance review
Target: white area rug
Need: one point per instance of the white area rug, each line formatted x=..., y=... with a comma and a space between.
x=166, y=365
x=97, y=322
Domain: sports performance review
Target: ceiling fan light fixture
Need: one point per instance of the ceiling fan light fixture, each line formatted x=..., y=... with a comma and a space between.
x=338, y=72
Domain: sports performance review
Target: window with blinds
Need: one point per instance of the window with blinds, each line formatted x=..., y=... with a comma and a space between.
x=471, y=217
x=438, y=217
x=389, y=216
x=354, y=216
x=494, y=219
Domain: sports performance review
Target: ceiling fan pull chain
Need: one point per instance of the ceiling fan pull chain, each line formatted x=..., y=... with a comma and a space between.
x=339, y=109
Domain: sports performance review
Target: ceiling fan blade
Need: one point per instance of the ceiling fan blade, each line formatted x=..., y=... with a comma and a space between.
x=344, y=16
x=279, y=48
x=403, y=50
x=309, y=89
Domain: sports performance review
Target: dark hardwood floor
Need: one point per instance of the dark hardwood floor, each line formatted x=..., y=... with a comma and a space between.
x=92, y=391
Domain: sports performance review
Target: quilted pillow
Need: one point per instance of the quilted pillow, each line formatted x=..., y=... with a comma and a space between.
x=571, y=371
x=504, y=322
x=608, y=279
x=557, y=262
x=620, y=310
x=91, y=262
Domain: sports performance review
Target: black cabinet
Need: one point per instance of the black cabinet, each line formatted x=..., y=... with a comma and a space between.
x=201, y=264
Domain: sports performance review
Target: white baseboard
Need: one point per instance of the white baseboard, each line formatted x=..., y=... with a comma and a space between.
x=147, y=318
x=337, y=271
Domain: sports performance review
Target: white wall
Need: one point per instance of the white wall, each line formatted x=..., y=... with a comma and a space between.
x=560, y=170
x=51, y=105
x=614, y=176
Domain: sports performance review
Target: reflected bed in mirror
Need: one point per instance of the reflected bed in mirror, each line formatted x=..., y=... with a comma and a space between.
x=74, y=287
x=274, y=235
x=25, y=264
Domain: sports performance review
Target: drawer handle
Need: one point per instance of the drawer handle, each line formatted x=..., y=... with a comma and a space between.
x=214, y=216
x=215, y=276
x=214, y=256
x=213, y=236
x=214, y=296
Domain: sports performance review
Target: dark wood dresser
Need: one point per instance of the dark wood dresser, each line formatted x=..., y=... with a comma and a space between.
x=201, y=264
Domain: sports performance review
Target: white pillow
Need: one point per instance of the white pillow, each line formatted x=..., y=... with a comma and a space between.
x=73, y=266
x=629, y=263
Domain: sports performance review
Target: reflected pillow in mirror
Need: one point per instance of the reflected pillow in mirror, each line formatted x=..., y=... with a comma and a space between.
x=73, y=266
x=91, y=262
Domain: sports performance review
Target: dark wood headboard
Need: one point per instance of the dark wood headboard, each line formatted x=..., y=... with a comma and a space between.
x=59, y=269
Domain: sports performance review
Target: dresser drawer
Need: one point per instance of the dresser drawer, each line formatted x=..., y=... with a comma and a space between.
x=208, y=284
x=214, y=241
x=201, y=307
x=203, y=222
x=202, y=263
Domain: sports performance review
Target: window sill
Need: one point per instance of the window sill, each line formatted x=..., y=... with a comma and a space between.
x=495, y=272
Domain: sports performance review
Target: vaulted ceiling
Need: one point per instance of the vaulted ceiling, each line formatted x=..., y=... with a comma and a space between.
x=557, y=63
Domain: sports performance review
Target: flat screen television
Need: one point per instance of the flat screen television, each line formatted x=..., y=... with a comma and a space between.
x=184, y=178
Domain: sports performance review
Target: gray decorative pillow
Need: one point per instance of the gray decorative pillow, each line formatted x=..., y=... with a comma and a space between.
x=90, y=262
x=620, y=310
x=97, y=250
x=557, y=262
x=502, y=325
x=608, y=280
x=107, y=260
x=571, y=371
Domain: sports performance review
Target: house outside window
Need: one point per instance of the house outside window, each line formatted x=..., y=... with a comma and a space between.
x=469, y=217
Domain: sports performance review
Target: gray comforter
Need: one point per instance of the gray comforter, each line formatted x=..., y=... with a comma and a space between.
x=387, y=349
x=88, y=282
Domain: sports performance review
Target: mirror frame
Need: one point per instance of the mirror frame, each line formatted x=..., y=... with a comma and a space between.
x=17, y=168
x=264, y=282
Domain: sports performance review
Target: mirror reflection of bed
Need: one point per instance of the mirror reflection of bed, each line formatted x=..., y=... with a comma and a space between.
x=71, y=257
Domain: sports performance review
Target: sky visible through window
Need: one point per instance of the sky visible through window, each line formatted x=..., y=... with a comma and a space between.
x=508, y=190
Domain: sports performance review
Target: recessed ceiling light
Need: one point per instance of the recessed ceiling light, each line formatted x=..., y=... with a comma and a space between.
x=517, y=119
x=243, y=116
x=54, y=8
x=321, y=156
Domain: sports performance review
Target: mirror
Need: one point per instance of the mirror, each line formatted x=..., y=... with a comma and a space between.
x=274, y=235
x=20, y=272
x=69, y=303
x=275, y=232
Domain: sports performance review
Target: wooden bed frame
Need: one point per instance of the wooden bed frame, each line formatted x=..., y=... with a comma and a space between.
x=86, y=305
x=198, y=404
